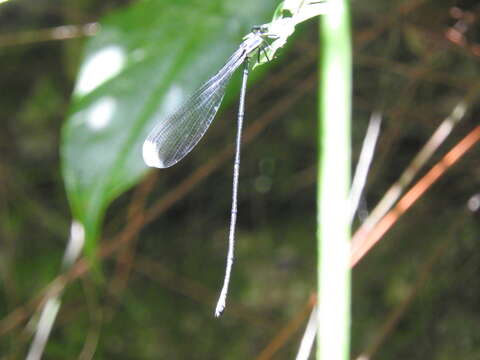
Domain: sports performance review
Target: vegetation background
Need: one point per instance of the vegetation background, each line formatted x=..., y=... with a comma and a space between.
x=153, y=290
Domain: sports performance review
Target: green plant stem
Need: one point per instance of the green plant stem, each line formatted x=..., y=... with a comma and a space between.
x=333, y=232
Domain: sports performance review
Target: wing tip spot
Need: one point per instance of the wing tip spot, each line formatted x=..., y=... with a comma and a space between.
x=150, y=155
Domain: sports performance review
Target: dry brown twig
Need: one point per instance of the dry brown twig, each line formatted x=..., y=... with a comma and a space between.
x=63, y=32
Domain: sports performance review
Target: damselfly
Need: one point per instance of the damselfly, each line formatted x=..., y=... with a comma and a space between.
x=176, y=135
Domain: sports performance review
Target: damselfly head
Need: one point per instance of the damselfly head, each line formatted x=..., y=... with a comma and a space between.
x=264, y=31
x=260, y=29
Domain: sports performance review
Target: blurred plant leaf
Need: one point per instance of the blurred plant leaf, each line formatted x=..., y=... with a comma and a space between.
x=144, y=62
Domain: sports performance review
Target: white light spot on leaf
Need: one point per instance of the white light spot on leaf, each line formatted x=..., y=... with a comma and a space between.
x=101, y=113
x=100, y=67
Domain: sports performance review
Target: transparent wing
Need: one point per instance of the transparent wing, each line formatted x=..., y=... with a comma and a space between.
x=176, y=135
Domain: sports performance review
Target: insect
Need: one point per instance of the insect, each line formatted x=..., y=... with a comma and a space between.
x=176, y=135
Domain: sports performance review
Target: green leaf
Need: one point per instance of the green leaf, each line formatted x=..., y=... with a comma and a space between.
x=144, y=62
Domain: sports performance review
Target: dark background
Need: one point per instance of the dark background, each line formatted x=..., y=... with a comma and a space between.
x=413, y=60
